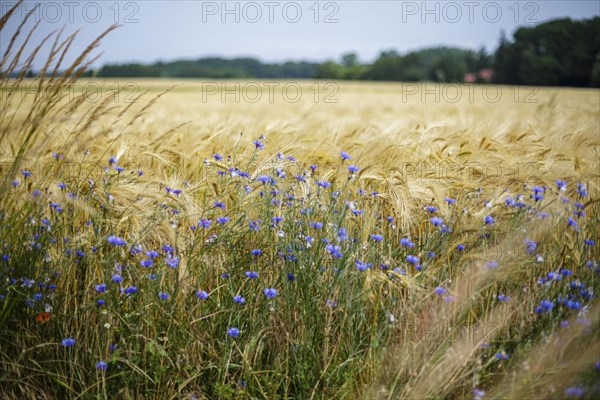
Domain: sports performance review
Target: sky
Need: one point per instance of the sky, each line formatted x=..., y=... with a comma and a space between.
x=275, y=31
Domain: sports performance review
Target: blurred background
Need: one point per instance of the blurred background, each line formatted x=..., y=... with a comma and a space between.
x=554, y=43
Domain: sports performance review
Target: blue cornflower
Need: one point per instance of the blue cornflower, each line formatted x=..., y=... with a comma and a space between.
x=254, y=225
x=324, y=184
x=538, y=189
x=530, y=246
x=101, y=287
x=152, y=253
x=112, y=160
x=222, y=220
x=335, y=251
x=130, y=289
x=406, y=242
x=239, y=299
x=436, y=221
x=353, y=169
x=377, y=237
x=582, y=190
x=219, y=204
x=256, y=252
x=450, y=200
x=589, y=242
x=478, y=394
x=575, y=391
x=135, y=249
x=345, y=156
x=342, y=234
x=251, y=274
x=205, y=223
x=26, y=173
x=117, y=278
x=172, y=262
x=119, y=169
x=545, y=306
x=566, y=272
x=265, y=179
x=331, y=303
x=502, y=355
x=217, y=156
x=440, y=290
x=116, y=241
x=431, y=209
x=68, y=342
x=573, y=304
x=163, y=295
x=147, y=262
x=561, y=185
x=202, y=294
x=412, y=259
x=259, y=145
x=537, y=196
x=102, y=365
x=62, y=185
x=270, y=292
x=488, y=219
x=445, y=228
x=280, y=173
x=361, y=266
x=503, y=297
x=233, y=332
x=554, y=275
x=460, y=247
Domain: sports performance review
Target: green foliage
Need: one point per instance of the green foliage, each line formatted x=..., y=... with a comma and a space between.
x=561, y=52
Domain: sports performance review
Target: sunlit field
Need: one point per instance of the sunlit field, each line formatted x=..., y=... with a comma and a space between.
x=330, y=240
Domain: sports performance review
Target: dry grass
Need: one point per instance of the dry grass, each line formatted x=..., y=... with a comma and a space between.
x=412, y=150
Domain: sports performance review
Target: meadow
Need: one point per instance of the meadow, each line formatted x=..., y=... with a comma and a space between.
x=202, y=240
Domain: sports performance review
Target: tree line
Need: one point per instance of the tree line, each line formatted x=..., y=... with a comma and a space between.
x=560, y=52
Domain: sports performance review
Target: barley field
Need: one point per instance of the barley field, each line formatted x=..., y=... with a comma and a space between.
x=333, y=240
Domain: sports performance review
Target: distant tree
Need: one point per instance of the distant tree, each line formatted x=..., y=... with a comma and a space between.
x=595, y=78
x=329, y=70
x=558, y=52
x=349, y=59
x=506, y=69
